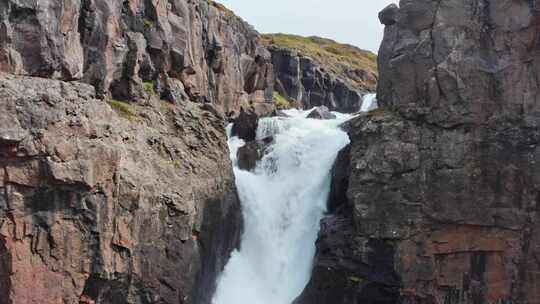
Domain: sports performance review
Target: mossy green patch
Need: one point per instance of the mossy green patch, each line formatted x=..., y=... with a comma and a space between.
x=177, y=164
x=356, y=279
x=147, y=23
x=123, y=109
x=338, y=58
x=281, y=102
x=149, y=87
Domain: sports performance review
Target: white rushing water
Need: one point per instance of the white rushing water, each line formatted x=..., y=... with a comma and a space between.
x=369, y=103
x=283, y=201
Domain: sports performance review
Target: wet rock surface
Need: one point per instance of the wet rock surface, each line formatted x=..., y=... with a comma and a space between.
x=245, y=125
x=101, y=208
x=249, y=154
x=444, y=174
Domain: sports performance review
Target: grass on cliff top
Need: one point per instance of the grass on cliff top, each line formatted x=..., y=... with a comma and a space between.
x=337, y=57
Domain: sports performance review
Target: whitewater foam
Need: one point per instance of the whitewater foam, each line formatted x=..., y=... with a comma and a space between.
x=283, y=201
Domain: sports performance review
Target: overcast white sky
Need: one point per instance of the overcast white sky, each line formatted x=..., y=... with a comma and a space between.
x=348, y=21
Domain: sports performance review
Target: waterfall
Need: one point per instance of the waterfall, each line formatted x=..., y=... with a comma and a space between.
x=369, y=102
x=283, y=201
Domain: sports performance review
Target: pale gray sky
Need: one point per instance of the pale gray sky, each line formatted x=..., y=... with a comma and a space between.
x=348, y=21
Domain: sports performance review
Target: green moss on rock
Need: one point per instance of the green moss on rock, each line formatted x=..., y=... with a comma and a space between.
x=149, y=87
x=281, y=102
x=123, y=109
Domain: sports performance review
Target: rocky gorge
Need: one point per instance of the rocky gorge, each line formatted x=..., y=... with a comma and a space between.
x=116, y=184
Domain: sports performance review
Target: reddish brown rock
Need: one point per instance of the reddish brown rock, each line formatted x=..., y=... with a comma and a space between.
x=97, y=207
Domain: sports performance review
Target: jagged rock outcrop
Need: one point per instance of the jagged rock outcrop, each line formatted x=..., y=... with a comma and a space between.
x=101, y=208
x=183, y=49
x=319, y=72
x=442, y=199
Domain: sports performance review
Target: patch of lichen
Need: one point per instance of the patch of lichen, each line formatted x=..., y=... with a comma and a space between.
x=281, y=102
x=149, y=87
x=177, y=164
x=357, y=280
x=147, y=24
x=338, y=58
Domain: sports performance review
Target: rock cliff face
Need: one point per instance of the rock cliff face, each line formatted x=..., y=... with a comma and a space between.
x=315, y=71
x=442, y=187
x=96, y=208
x=115, y=184
x=184, y=49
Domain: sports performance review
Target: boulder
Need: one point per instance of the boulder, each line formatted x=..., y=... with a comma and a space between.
x=321, y=112
x=249, y=154
x=245, y=125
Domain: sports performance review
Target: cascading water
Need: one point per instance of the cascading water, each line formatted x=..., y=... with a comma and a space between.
x=283, y=202
x=369, y=103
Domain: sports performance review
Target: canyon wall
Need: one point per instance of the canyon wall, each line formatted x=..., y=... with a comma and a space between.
x=442, y=190
x=115, y=179
x=314, y=71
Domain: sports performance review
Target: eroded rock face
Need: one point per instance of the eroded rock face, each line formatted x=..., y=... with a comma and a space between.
x=304, y=81
x=98, y=208
x=195, y=50
x=445, y=174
